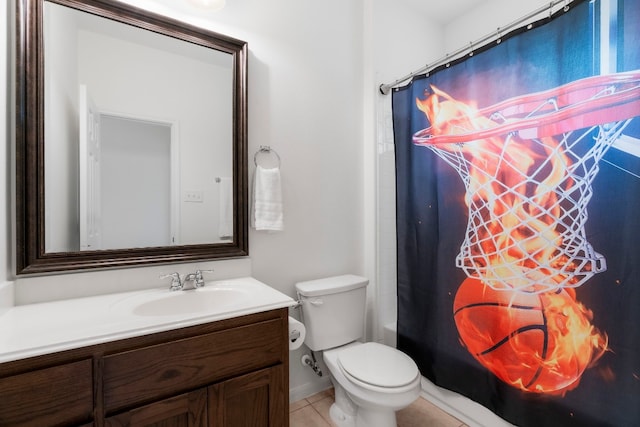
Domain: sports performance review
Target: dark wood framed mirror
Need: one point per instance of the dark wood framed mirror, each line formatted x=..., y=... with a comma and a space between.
x=88, y=199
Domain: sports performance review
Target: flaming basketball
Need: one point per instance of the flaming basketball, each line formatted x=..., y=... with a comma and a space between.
x=537, y=342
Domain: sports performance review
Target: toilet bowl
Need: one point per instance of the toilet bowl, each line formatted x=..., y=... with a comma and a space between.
x=371, y=381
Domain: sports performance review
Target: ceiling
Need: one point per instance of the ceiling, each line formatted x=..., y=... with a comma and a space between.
x=444, y=11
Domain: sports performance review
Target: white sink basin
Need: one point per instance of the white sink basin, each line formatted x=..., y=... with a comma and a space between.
x=212, y=298
x=192, y=301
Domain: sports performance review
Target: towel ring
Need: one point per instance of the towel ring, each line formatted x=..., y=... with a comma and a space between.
x=265, y=149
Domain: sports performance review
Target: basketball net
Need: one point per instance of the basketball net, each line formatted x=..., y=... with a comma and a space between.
x=527, y=165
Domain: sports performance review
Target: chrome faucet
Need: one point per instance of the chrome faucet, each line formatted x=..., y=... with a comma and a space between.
x=199, y=280
x=178, y=283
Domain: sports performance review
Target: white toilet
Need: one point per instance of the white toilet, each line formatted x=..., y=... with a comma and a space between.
x=371, y=381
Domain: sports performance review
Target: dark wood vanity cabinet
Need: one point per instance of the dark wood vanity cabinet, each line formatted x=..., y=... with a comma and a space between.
x=229, y=373
x=56, y=395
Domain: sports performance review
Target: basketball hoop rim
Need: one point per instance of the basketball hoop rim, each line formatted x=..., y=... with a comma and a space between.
x=577, y=105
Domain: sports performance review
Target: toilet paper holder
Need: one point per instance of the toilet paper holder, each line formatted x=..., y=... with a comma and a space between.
x=294, y=335
x=297, y=333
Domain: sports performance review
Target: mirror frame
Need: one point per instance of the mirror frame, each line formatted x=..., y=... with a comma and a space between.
x=29, y=133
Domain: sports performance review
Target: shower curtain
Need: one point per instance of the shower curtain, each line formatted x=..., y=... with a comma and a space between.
x=518, y=220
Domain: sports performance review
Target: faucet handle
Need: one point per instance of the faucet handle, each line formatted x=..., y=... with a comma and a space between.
x=199, y=280
x=176, y=283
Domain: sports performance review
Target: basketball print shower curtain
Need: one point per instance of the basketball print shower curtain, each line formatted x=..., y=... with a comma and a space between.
x=518, y=220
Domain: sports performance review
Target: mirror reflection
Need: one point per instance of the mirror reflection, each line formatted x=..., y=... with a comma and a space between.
x=138, y=137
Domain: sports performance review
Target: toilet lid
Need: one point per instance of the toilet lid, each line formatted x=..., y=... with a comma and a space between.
x=378, y=364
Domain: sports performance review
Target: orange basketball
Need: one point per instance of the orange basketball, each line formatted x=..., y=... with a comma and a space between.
x=536, y=342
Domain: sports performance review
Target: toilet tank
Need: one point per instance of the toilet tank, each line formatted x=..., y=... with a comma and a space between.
x=333, y=310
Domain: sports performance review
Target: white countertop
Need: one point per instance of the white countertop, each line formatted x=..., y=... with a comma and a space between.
x=36, y=329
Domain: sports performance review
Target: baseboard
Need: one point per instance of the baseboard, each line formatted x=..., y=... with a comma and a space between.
x=309, y=389
x=466, y=410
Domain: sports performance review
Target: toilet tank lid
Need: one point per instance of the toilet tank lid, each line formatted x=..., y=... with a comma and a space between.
x=331, y=285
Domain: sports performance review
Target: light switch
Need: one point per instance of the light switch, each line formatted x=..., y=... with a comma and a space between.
x=196, y=196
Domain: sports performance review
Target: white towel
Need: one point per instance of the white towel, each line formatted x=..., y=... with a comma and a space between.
x=267, y=208
x=225, y=222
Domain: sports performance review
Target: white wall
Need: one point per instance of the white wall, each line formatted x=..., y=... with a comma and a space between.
x=61, y=112
x=487, y=18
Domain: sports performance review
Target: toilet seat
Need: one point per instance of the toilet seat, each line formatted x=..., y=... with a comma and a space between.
x=377, y=367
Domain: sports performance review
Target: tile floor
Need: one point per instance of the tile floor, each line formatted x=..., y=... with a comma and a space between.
x=314, y=412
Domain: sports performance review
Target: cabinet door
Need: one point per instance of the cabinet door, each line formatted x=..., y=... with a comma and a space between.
x=53, y=396
x=258, y=399
x=185, y=410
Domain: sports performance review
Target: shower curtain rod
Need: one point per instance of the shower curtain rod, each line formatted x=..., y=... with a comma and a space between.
x=386, y=88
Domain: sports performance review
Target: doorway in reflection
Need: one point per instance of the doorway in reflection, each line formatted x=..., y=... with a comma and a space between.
x=135, y=183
